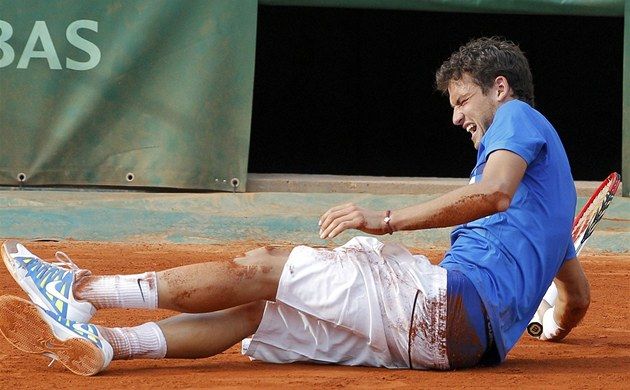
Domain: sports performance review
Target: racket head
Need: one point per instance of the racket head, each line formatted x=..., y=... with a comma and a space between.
x=593, y=210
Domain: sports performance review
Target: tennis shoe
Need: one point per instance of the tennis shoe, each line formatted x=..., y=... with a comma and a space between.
x=48, y=285
x=79, y=347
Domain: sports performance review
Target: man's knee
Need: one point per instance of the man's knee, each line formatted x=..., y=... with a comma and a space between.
x=268, y=251
x=268, y=262
x=254, y=312
x=266, y=255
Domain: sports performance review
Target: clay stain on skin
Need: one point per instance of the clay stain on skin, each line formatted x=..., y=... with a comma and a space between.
x=240, y=272
x=467, y=208
x=177, y=282
x=230, y=276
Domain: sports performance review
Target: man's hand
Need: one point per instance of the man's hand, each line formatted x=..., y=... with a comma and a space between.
x=535, y=327
x=351, y=216
x=572, y=302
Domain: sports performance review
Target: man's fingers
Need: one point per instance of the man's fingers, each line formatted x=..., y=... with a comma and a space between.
x=348, y=216
x=339, y=224
x=341, y=227
x=331, y=216
x=353, y=223
x=328, y=227
x=335, y=209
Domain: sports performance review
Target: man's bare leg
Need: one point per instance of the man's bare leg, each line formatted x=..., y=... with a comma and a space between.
x=207, y=287
x=230, y=296
x=186, y=336
x=195, y=288
x=190, y=336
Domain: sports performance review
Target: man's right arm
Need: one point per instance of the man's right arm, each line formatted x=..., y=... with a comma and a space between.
x=574, y=298
x=502, y=175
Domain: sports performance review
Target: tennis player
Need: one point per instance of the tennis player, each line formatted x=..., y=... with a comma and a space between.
x=366, y=302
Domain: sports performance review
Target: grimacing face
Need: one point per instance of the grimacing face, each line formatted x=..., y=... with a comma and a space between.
x=472, y=109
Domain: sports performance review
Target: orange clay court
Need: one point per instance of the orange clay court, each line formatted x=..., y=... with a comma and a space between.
x=595, y=355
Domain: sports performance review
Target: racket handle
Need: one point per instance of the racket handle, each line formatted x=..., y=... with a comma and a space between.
x=535, y=326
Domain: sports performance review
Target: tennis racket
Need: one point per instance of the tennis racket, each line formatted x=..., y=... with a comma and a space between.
x=594, y=210
x=583, y=226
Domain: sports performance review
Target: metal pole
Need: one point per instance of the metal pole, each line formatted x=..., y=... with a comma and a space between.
x=625, y=138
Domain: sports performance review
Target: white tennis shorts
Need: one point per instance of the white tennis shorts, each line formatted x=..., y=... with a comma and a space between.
x=354, y=305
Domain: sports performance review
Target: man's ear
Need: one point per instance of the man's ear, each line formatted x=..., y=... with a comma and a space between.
x=502, y=89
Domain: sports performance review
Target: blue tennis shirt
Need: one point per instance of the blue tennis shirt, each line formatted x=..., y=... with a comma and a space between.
x=511, y=257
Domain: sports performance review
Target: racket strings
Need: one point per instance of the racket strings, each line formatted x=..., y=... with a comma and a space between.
x=594, y=210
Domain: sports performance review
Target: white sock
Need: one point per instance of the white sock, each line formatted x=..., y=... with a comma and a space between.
x=120, y=291
x=144, y=341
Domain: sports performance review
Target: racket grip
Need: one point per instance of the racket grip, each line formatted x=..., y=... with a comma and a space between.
x=535, y=328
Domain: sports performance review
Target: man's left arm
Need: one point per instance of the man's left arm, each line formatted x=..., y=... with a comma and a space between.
x=501, y=177
x=571, y=305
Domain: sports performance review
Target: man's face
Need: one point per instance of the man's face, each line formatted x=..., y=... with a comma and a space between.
x=473, y=110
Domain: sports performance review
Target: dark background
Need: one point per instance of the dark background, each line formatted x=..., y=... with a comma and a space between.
x=351, y=91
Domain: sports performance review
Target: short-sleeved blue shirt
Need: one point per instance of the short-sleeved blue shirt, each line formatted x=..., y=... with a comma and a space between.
x=511, y=257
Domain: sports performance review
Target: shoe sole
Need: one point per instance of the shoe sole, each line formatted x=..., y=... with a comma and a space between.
x=22, y=325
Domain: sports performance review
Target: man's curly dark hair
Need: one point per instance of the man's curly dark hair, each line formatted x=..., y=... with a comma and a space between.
x=484, y=59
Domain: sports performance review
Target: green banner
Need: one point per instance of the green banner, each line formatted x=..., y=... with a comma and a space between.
x=150, y=93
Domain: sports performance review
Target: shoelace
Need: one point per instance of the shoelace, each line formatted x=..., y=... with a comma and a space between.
x=65, y=262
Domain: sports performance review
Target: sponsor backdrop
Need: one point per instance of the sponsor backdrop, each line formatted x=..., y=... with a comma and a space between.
x=152, y=93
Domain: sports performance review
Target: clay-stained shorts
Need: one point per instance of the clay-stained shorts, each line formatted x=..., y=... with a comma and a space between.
x=354, y=305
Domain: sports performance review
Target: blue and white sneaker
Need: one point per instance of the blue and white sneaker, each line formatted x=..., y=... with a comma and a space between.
x=29, y=328
x=48, y=285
